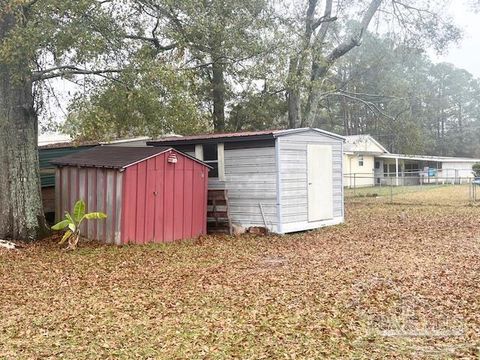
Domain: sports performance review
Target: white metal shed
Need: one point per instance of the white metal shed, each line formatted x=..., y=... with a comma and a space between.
x=286, y=180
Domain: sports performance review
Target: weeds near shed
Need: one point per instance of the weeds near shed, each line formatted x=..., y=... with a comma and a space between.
x=72, y=234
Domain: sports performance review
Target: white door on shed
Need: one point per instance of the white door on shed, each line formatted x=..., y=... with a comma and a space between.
x=320, y=182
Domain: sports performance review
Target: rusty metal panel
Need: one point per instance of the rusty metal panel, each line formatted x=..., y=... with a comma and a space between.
x=158, y=231
x=110, y=190
x=73, y=179
x=151, y=194
x=101, y=200
x=58, y=196
x=118, y=208
x=64, y=191
x=91, y=201
x=129, y=205
x=82, y=192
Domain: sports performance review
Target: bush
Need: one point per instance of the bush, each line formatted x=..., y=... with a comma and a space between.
x=476, y=170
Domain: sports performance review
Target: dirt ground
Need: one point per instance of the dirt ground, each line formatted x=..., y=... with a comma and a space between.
x=395, y=281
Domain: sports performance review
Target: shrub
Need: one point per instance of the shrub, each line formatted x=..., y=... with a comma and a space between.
x=476, y=169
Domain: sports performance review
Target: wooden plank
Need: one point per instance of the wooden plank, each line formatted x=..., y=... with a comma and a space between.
x=217, y=214
x=218, y=217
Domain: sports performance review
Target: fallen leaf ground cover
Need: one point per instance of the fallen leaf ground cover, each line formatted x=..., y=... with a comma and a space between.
x=395, y=281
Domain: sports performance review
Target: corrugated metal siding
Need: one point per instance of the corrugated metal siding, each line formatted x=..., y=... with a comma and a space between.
x=164, y=201
x=47, y=170
x=101, y=190
x=251, y=180
x=293, y=174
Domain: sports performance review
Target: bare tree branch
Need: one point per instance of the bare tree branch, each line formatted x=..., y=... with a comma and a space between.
x=67, y=70
x=322, y=32
x=320, y=66
x=154, y=41
x=370, y=105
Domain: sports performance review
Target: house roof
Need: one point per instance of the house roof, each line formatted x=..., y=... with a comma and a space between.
x=359, y=144
x=236, y=136
x=79, y=144
x=444, y=159
x=55, y=138
x=113, y=157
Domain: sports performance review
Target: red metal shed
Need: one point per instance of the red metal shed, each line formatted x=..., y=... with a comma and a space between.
x=149, y=194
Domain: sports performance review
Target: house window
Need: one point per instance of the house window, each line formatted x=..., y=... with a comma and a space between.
x=389, y=170
x=377, y=165
x=360, y=160
x=411, y=168
x=392, y=169
x=210, y=156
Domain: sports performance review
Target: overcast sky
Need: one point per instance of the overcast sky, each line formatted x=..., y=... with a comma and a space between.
x=467, y=54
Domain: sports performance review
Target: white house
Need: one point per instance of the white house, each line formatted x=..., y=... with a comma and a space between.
x=368, y=163
x=360, y=152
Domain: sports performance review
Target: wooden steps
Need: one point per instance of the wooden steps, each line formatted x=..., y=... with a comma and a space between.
x=218, y=217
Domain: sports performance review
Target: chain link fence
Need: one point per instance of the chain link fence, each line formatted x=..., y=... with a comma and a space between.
x=412, y=189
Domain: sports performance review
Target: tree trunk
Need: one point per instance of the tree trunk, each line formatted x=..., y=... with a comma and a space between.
x=21, y=211
x=293, y=93
x=321, y=64
x=218, y=96
x=294, y=109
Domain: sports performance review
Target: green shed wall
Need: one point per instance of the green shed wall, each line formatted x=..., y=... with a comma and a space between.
x=47, y=170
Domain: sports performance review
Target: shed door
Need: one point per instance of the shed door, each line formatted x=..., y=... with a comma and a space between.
x=320, y=182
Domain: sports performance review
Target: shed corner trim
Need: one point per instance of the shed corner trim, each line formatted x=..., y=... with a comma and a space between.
x=279, y=187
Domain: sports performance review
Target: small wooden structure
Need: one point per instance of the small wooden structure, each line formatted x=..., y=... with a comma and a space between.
x=218, y=217
x=149, y=194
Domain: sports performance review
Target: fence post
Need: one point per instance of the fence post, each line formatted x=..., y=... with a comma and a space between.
x=391, y=193
x=354, y=184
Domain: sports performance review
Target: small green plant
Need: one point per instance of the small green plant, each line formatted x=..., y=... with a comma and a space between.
x=476, y=170
x=72, y=234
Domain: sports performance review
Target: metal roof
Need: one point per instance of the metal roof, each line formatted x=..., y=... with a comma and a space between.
x=79, y=144
x=53, y=138
x=352, y=142
x=71, y=144
x=237, y=136
x=113, y=157
x=428, y=158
